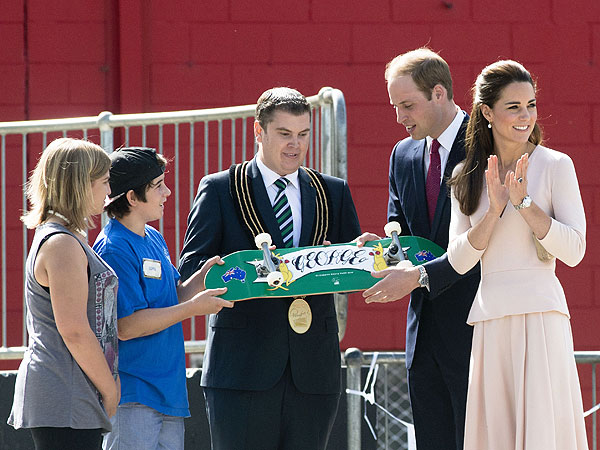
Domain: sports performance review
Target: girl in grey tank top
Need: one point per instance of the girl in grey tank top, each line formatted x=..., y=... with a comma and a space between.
x=51, y=389
x=67, y=385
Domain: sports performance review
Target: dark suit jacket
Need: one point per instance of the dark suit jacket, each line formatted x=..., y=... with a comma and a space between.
x=451, y=295
x=250, y=344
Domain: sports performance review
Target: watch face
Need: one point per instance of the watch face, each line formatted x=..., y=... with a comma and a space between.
x=525, y=203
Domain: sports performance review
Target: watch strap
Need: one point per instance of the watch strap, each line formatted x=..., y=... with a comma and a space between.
x=423, y=277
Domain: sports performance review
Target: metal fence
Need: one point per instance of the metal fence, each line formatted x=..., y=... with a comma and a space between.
x=196, y=142
x=355, y=360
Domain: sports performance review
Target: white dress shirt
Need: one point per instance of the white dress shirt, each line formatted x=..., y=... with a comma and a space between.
x=292, y=191
x=446, y=140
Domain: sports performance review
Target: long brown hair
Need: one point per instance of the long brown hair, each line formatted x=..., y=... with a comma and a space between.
x=479, y=141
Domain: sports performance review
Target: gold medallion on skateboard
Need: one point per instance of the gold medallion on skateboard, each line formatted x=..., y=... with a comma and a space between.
x=300, y=316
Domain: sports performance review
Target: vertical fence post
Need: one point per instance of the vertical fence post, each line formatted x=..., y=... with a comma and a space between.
x=353, y=357
x=106, y=142
x=24, y=205
x=594, y=418
x=3, y=237
x=326, y=141
x=339, y=135
x=106, y=131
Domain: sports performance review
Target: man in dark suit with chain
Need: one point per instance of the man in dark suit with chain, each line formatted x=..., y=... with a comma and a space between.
x=438, y=339
x=267, y=384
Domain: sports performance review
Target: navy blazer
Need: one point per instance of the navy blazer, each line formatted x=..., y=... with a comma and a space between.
x=249, y=345
x=451, y=295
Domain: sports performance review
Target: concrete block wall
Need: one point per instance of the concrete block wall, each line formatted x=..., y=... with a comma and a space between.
x=69, y=58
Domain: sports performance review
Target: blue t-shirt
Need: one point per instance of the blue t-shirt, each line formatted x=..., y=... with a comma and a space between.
x=151, y=368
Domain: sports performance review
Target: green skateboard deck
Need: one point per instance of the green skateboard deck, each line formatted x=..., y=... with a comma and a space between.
x=313, y=270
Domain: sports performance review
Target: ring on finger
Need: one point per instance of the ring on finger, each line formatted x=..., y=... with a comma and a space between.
x=519, y=180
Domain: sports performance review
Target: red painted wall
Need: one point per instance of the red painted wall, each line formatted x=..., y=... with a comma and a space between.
x=78, y=57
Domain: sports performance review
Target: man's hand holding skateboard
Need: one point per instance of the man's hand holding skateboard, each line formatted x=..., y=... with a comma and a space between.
x=397, y=281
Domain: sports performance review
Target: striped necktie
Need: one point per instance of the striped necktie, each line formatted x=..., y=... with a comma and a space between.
x=283, y=213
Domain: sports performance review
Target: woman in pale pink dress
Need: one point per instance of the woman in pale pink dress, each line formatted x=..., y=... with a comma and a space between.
x=516, y=218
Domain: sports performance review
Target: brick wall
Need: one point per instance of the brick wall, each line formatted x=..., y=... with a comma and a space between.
x=69, y=58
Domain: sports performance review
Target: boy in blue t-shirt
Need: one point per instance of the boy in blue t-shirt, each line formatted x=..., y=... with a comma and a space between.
x=151, y=303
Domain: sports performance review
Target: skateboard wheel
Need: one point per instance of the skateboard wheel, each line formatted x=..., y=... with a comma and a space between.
x=405, y=263
x=262, y=238
x=274, y=279
x=390, y=227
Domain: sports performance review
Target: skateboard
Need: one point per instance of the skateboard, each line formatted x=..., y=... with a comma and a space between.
x=297, y=272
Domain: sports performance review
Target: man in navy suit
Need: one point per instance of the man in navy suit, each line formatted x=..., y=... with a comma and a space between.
x=267, y=384
x=438, y=339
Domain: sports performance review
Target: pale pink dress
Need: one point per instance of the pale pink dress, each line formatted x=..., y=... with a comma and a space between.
x=524, y=391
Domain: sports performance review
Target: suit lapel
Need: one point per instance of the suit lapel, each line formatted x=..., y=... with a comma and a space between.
x=457, y=154
x=263, y=204
x=418, y=170
x=308, y=200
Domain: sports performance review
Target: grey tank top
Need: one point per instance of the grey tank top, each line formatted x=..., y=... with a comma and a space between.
x=51, y=390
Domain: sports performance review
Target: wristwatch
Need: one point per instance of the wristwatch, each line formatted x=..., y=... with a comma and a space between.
x=423, y=277
x=525, y=203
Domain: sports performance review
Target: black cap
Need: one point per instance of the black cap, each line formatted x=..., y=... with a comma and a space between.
x=132, y=167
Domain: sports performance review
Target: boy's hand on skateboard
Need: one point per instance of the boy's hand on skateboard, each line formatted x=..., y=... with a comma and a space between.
x=364, y=238
x=207, y=265
x=397, y=283
x=196, y=283
x=207, y=302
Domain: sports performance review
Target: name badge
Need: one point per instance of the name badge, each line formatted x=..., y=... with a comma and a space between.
x=152, y=268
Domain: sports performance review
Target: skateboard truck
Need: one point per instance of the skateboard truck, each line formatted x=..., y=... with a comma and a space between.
x=394, y=254
x=268, y=268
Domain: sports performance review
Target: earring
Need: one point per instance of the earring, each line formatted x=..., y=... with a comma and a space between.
x=489, y=124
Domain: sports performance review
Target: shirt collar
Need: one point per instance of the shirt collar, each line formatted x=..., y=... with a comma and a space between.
x=269, y=176
x=446, y=139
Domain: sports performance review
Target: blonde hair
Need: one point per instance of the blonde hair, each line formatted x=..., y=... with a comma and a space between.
x=426, y=68
x=62, y=182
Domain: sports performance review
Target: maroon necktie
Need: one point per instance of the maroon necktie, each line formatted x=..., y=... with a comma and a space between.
x=432, y=185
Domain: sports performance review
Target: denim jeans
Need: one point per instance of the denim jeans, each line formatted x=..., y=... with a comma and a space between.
x=139, y=427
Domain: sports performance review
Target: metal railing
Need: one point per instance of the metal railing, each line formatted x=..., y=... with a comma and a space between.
x=355, y=360
x=198, y=142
